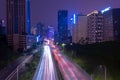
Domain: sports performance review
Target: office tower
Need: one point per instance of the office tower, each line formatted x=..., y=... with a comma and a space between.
x=28, y=17
x=2, y=27
x=111, y=24
x=95, y=27
x=63, y=26
x=50, y=32
x=2, y=31
x=79, y=33
x=18, y=23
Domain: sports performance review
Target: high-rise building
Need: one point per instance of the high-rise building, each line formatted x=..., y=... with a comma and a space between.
x=18, y=23
x=50, y=32
x=111, y=24
x=2, y=27
x=2, y=31
x=79, y=33
x=28, y=17
x=95, y=27
x=63, y=26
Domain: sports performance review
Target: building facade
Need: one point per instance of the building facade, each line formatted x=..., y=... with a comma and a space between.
x=111, y=24
x=50, y=32
x=79, y=30
x=63, y=26
x=2, y=27
x=95, y=27
x=18, y=23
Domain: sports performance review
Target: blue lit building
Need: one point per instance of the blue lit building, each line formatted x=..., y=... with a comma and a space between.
x=111, y=24
x=28, y=17
x=18, y=23
x=63, y=26
x=50, y=32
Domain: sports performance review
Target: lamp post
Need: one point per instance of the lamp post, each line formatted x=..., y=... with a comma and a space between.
x=72, y=48
x=105, y=71
x=92, y=75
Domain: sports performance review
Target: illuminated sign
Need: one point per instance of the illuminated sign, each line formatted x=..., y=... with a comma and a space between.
x=73, y=19
x=38, y=37
x=106, y=9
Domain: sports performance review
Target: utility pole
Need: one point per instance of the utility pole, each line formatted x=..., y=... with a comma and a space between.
x=92, y=75
x=105, y=71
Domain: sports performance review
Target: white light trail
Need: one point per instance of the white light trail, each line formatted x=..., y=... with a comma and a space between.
x=46, y=69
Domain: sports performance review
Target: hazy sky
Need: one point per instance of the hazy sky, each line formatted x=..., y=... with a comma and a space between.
x=45, y=11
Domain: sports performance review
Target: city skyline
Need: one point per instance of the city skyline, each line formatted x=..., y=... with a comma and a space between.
x=87, y=48
x=44, y=11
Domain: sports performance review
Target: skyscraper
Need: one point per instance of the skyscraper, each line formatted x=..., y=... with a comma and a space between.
x=95, y=27
x=79, y=33
x=63, y=25
x=50, y=32
x=18, y=23
x=2, y=27
x=111, y=24
x=28, y=18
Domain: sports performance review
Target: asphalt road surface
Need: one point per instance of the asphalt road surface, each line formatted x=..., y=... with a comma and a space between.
x=69, y=69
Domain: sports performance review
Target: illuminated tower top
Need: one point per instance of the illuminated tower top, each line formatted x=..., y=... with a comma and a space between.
x=106, y=9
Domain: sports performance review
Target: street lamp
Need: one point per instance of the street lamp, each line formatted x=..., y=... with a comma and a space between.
x=72, y=48
x=92, y=75
x=105, y=72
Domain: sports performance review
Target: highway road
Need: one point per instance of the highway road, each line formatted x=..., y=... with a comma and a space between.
x=46, y=69
x=69, y=70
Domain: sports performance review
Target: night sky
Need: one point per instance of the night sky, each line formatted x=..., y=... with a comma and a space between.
x=45, y=11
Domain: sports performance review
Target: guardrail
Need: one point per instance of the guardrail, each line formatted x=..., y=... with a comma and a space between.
x=18, y=68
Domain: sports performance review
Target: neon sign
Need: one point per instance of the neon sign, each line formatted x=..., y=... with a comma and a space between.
x=73, y=19
x=106, y=9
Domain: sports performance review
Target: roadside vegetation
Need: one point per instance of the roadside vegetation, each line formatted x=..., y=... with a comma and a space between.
x=31, y=67
x=94, y=58
x=7, y=55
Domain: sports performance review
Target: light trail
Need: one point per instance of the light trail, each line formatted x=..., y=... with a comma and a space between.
x=69, y=70
x=46, y=68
